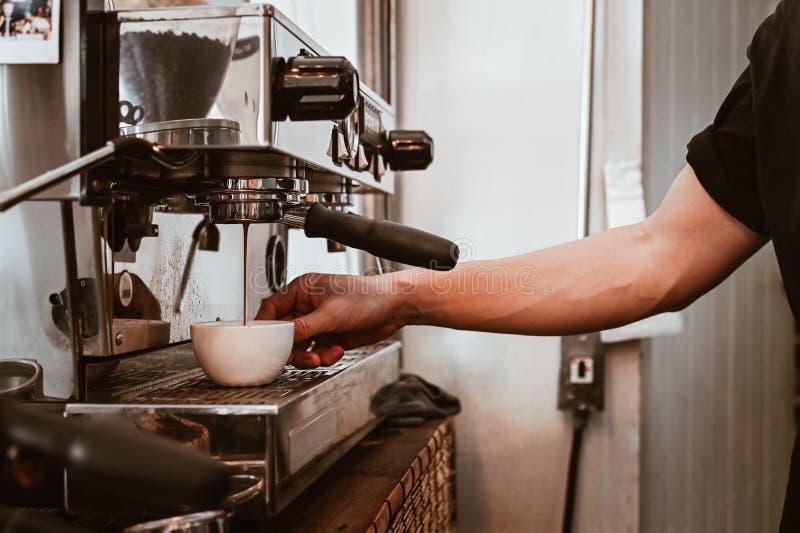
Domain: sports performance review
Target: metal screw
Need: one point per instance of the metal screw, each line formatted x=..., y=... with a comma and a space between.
x=119, y=339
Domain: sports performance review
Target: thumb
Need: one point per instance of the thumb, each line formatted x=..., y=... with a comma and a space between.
x=312, y=324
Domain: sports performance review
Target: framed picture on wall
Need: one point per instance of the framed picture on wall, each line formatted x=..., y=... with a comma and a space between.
x=29, y=31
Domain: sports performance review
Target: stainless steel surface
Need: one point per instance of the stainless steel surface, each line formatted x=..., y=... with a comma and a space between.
x=238, y=211
x=251, y=200
x=274, y=166
x=205, y=522
x=312, y=415
x=245, y=168
x=21, y=378
x=134, y=334
x=26, y=190
x=171, y=378
x=187, y=132
x=336, y=200
x=40, y=109
x=244, y=94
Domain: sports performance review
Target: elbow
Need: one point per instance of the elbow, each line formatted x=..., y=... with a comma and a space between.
x=665, y=271
x=670, y=306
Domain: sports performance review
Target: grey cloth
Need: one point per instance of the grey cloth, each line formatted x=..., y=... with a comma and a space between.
x=411, y=400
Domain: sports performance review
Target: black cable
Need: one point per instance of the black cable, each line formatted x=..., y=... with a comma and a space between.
x=579, y=419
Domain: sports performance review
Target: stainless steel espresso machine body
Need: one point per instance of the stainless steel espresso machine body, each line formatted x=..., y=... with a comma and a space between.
x=194, y=121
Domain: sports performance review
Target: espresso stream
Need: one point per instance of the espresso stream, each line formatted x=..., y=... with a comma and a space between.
x=245, y=227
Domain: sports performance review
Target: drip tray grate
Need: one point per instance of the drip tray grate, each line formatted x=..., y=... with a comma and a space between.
x=138, y=383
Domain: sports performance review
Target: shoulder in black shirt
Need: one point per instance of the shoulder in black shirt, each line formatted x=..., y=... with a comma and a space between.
x=748, y=160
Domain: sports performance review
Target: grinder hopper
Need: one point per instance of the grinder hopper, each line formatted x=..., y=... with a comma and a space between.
x=160, y=62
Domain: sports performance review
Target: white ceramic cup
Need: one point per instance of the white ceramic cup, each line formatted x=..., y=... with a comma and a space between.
x=235, y=355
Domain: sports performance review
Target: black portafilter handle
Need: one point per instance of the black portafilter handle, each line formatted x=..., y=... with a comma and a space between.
x=382, y=238
x=118, y=461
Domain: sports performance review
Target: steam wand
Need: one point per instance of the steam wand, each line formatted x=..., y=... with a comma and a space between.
x=204, y=237
x=113, y=149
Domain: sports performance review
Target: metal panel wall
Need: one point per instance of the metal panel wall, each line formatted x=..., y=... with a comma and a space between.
x=717, y=413
x=40, y=110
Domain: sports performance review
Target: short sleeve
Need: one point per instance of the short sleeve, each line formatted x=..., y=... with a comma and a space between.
x=723, y=156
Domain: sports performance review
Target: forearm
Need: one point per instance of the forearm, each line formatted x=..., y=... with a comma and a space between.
x=574, y=287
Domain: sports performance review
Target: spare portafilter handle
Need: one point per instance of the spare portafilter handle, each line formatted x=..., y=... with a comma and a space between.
x=381, y=238
x=119, y=147
x=123, y=463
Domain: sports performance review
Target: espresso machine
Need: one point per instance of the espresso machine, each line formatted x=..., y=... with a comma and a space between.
x=171, y=129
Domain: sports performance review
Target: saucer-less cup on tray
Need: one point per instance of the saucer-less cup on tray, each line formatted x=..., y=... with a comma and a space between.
x=237, y=355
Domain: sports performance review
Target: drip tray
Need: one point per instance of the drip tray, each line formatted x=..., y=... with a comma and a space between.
x=291, y=430
x=138, y=382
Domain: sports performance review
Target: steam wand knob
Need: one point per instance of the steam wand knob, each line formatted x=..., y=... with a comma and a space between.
x=407, y=149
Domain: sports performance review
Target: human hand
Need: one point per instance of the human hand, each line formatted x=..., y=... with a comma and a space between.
x=334, y=313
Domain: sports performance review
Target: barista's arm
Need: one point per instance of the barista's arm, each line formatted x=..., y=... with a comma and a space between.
x=688, y=246
x=684, y=249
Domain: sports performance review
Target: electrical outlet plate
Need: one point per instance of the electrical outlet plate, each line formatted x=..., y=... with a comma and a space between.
x=581, y=378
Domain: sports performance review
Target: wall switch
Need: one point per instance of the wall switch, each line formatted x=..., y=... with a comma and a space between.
x=581, y=370
x=581, y=376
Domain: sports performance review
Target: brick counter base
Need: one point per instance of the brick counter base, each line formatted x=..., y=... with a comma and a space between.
x=395, y=480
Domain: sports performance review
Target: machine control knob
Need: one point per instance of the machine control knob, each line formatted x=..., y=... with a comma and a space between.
x=337, y=149
x=407, y=149
x=314, y=88
x=377, y=167
x=360, y=161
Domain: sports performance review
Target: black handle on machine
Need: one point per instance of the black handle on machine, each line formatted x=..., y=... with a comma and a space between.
x=314, y=88
x=382, y=238
x=407, y=149
x=122, y=462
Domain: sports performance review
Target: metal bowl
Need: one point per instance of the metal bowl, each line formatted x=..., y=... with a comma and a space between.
x=244, y=487
x=21, y=378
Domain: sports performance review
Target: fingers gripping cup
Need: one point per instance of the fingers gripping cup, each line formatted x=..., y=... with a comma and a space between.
x=237, y=355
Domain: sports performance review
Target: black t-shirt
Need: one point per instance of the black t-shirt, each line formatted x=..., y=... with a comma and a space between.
x=749, y=162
